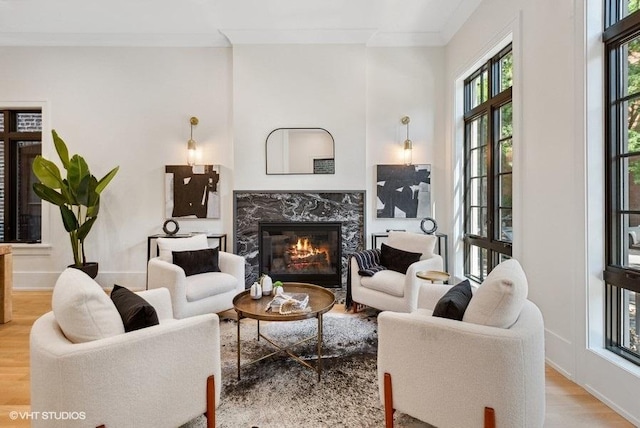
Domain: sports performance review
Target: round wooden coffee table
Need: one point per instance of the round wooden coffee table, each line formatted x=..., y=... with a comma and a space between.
x=321, y=301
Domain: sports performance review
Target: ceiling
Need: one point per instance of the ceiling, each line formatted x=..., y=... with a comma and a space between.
x=230, y=22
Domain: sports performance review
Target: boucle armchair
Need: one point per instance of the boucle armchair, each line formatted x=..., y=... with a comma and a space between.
x=159, y=376
x=389, y=290
x=487, y=369
x=200, y=293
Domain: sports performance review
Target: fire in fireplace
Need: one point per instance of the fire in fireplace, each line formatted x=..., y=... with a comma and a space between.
x=301, y=252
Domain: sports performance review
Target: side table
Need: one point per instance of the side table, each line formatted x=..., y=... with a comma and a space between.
x=433, y=275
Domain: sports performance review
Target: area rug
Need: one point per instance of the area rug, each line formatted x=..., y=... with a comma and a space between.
x=279, y=392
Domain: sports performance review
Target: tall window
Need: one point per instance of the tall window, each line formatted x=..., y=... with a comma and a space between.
x=20, y=143
x=488, y=163
x=622, y=145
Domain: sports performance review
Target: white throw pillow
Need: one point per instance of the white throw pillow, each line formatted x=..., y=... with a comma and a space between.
x=167, y=245
x=413, y=242
x=500, y=298
x=82, y=309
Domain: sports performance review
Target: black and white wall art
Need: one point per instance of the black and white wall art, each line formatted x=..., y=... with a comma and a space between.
x=403, y=191
x=192, y=191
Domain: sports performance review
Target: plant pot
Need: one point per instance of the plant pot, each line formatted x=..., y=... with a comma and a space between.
x=90, y=269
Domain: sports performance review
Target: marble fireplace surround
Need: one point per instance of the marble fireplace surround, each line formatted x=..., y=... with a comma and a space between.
x=252, y=207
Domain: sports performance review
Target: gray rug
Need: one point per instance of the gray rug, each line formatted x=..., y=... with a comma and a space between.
x=279, y=392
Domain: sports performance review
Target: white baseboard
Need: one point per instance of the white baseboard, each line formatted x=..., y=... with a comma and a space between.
x=619, y=410
x=559, y=353
x=34, y=281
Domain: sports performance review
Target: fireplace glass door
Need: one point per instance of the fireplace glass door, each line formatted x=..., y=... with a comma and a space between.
x=301, y=252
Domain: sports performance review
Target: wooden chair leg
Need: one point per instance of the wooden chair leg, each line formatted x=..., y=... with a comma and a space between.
x=357, y=307
x=489, y=418
x=388, y=402
x=211, y=402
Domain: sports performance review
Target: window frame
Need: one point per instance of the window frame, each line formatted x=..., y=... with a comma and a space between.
x=618, y=275
x=495, y=248
x=10, y=137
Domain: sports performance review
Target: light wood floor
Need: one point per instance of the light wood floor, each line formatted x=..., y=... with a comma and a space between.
x=568, y=405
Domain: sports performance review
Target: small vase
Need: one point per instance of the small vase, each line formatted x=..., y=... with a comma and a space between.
x=256, y=291
x=267, y=285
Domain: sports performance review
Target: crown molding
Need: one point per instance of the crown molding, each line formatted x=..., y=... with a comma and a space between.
x=298, y=36
x=114, y=39
x=398, y=39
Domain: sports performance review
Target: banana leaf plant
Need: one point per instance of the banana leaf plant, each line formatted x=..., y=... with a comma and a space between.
x=77, y=195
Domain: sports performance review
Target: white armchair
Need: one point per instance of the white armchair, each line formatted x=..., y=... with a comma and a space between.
x=452, y=373
x=389, y=290
x=159, y=376
x=202, y=293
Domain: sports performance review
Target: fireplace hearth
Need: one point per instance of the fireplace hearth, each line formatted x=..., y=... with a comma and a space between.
x=301, y=252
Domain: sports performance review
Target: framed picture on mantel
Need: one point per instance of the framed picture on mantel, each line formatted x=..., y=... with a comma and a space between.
x=192, y=191
x=403, y=191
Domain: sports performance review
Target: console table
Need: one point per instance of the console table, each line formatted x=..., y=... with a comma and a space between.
x=443, y=244
x=6, y=283
x=220, y=237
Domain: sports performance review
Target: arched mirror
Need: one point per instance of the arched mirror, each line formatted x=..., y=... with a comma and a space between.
x=300, y=151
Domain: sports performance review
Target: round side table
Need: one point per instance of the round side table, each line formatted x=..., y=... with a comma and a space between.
x=433, y=275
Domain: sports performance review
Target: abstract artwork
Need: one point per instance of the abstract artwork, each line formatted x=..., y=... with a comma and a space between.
x=403, y=191
x=192, y=191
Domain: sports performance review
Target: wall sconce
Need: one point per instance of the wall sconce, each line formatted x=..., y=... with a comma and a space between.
x=408, y=145
x=191, y=144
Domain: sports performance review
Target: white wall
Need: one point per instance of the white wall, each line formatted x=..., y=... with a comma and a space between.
x=289, y=86
x=405, y=82
x=128, y=107
x=550, y=157
x=358, y=94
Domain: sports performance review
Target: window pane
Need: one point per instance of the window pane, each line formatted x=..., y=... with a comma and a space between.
x=631, y=69
x=478, y=132
x=479, y=89
x=478, y=221
x=630, y=6
x=631, y=186
x=505, y=191
x=505, y=116
x=631, y=240
x=631, y=109
x=478, y=262
x=479, y=191
x=506, y=225
x=506, y=71
x=506, y=156
x=29, y=122
x=630, y=321
x=29, y=205
x=479, y=162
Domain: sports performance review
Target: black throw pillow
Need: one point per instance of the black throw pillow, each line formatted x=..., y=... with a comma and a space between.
x=197, y=261
x=453, y=304
x=398, y=260
x=136, y=313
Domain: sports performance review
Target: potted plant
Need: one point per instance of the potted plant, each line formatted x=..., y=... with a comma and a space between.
x=77, y=195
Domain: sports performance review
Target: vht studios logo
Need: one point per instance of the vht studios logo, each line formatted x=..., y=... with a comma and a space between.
x=50, y=416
